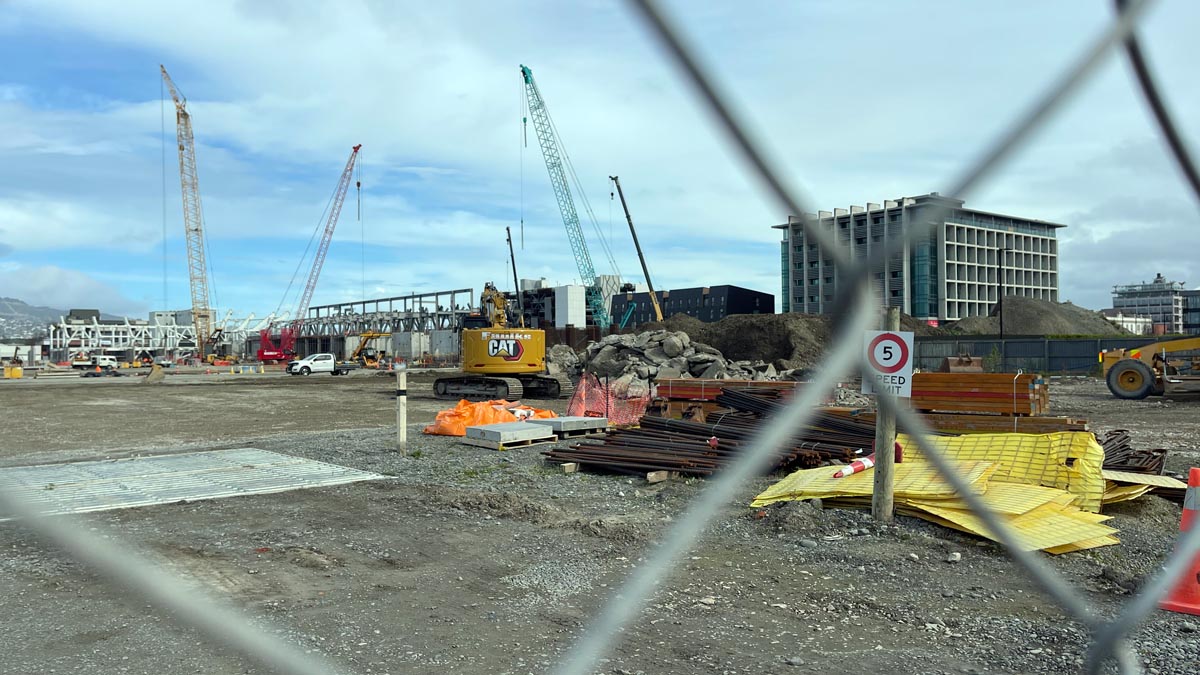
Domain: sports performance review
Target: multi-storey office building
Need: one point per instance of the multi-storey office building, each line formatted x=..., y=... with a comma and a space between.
x=957, y=271
x=1162, y=300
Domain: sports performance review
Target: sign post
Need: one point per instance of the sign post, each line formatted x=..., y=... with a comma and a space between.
x=402, y=407
x=887, y=355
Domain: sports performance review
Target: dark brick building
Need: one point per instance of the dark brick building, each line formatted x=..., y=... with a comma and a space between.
x=709, y=303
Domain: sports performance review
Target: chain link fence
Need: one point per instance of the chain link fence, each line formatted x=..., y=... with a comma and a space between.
x=861, y=312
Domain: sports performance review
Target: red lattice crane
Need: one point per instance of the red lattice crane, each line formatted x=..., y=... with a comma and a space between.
x=288, y=335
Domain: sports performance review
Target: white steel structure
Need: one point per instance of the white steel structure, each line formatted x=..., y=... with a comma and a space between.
x=74, y=335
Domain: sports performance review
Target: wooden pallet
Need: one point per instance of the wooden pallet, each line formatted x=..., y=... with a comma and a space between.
x=580, y=433
x=507, y=445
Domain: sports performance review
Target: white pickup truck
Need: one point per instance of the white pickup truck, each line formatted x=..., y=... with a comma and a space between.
x=318, y=363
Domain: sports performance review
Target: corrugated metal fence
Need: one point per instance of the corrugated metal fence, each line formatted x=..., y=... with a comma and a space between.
x=1032, y=354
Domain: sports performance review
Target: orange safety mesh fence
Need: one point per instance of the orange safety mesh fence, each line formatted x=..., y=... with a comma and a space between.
x=596, y=398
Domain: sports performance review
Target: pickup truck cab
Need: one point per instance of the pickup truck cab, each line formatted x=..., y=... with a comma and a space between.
x=101, y=361
x=318, y=363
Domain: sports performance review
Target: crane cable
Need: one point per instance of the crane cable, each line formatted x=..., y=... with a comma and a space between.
x=162, y=100
x=361, y=226
x=304, y=256
x=570, y=166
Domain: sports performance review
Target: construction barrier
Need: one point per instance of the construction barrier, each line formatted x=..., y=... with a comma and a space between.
x=595, y=399
x=13, y=372
x=247, y=370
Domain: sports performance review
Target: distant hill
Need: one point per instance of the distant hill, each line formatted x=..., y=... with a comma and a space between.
x=19, y=319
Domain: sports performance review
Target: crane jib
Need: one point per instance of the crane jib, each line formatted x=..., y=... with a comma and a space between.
x=548, y=141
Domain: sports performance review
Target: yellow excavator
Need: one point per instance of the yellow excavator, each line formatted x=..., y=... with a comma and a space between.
x=365, y=354
x=1150, y=371
x=501, y=361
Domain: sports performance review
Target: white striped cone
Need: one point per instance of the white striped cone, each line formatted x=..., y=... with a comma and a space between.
x=856, y=466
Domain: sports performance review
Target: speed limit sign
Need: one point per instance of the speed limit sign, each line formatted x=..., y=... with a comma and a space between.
x=887, y=357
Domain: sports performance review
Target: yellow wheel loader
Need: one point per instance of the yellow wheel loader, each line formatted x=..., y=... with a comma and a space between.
x=1150, y=370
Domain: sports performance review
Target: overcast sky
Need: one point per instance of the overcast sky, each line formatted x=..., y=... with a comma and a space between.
x=858, y=101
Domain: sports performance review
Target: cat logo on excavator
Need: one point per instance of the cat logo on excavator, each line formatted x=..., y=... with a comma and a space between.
x=508, y=349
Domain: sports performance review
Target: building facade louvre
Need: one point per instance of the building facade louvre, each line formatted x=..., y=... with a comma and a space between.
x=953, y=273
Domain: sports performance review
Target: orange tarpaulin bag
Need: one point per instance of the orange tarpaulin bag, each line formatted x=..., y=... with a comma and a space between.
x=454, y=422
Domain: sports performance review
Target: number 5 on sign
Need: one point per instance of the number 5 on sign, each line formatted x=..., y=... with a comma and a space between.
x=887, y=362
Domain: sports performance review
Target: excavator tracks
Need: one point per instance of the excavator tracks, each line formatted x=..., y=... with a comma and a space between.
x=548, y=386
x=478, y=388
x=484, y=388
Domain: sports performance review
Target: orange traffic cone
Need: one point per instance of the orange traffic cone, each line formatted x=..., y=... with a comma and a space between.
x=1185, y=596
x=856, y=466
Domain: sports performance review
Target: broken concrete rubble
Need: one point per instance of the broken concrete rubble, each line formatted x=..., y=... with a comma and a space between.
x=637, y=360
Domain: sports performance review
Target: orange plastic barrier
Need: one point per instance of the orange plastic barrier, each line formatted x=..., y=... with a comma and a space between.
x=595, y=399
x=454, y=422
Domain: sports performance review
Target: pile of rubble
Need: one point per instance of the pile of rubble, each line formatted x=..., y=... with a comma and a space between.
x=634, y=361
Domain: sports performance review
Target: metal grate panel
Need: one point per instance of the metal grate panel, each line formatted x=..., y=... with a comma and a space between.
x=78, y=487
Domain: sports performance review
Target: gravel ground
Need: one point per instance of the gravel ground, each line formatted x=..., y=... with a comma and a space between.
x=474, y=561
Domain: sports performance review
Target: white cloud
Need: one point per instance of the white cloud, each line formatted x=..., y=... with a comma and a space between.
x=65, y=289
x=856, y=102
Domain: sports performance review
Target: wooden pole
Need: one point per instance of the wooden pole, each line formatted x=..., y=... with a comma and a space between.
x=402, y=408
x=882, y=499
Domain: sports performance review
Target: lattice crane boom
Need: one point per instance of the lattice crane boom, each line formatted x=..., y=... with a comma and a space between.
x=193, y=216
x=566, y=205
x=335, y=210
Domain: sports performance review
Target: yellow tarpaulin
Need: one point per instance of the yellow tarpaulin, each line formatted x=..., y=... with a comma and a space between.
x=1040, y=517
x=1068, y=460
x=1143, y=479
x=912, y=479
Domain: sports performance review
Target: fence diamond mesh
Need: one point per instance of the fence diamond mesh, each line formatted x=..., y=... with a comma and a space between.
x=860, y=312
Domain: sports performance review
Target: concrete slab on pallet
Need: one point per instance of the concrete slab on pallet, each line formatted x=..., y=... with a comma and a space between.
x=508, y=432
x=574, y=424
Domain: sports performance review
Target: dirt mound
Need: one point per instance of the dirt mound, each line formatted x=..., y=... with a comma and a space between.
x=784, y=340
x=1028, y=316
x=787, y=340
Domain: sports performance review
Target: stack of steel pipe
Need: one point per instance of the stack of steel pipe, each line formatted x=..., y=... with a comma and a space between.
x=701, y=448
x=1120, y=455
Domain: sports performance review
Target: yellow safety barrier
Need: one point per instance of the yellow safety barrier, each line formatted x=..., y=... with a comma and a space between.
x=13, y=372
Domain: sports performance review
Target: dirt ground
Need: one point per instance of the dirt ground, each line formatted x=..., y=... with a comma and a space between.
x=474, y=561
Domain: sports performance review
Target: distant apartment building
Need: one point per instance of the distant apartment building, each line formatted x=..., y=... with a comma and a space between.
x=956, y=271
x=1161, y=300
x=1137, y=324
x=706, y=303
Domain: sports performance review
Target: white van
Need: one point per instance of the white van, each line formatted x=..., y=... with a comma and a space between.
x=318, y=363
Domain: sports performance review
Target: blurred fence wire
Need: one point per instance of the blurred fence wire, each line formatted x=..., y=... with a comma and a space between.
x=233, y=631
